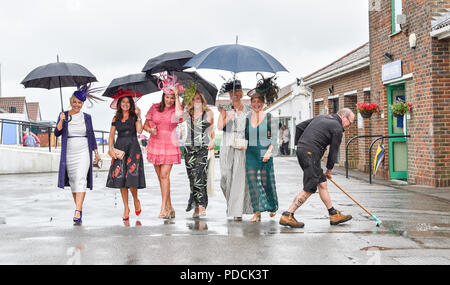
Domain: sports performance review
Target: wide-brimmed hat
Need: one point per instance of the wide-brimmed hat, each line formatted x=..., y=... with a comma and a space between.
x=124, y=93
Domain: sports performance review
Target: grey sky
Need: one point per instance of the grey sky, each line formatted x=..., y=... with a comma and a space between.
x=115, y=38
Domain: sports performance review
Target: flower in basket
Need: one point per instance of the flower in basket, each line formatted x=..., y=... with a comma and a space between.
x=367, y=109
x=400, y=108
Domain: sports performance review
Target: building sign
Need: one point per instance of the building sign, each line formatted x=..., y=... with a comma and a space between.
x=391, y=70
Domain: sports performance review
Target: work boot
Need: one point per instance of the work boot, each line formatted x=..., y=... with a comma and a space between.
x=339, y=218
x=287, y=219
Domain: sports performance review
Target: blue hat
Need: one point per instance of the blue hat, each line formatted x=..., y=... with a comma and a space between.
x=84, y=92
x=81, y=92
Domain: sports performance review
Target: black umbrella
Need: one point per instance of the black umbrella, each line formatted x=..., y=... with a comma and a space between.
x=58, y=74
x=208, y=89
x=139, y=83
x=169, y=61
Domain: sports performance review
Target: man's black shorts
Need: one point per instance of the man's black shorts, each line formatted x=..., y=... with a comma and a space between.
x=312, y=171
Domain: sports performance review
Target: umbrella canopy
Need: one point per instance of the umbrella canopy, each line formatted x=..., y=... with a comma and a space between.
x=139, y=83
x=169, y=61
x=208, y=89
x=235, y=58
x=58, y=74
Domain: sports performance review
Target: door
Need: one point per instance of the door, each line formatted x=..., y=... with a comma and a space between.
x=398, y=148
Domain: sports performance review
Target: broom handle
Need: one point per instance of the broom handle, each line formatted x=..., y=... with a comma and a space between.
x=368, y=212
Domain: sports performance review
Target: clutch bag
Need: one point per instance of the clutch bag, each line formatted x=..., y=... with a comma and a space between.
x=119, y=153
x=239, y=143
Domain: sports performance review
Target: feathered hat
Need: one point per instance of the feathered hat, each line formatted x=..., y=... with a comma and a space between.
x=85, y=91
x=189, y=92
x=228, y=86
x=267, y=87
x=168, y=84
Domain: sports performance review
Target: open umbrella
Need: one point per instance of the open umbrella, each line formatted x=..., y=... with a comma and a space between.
x=169, y=61
x=173, y=64
x=139, y=83
x=58, y=74
x=207, y=88
x=235, y=58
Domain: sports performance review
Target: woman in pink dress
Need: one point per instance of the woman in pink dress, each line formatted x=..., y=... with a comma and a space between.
x=163, y=149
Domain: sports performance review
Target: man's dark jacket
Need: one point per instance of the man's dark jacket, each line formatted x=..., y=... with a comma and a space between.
x=319, y=132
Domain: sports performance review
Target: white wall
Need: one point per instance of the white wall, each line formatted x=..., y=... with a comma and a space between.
x=14, y=116
x=18, y=159
x=297, y=106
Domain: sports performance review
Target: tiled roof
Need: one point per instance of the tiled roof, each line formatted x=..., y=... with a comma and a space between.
x=355, y=55
x=7, y=102
x=33, y=111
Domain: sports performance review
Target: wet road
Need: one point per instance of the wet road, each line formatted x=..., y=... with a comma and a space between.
x=36, y=227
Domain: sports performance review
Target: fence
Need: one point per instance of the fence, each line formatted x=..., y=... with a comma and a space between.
x=11, y=132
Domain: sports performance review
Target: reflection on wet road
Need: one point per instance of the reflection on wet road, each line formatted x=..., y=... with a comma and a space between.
x=36, y=227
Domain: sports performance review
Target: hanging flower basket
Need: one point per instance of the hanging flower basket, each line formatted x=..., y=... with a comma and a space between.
x=367, y=109
x=366, y=115
x=399, y=109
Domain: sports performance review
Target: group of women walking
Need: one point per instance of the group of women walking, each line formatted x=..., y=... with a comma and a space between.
x=247, y=175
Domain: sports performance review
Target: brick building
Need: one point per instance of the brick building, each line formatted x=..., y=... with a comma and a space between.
x=340, y=84
x=417, y=72
x=408, y=60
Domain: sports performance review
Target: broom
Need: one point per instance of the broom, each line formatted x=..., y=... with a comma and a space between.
x=367, y=211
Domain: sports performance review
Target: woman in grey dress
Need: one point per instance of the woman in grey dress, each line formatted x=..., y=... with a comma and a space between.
x=232, y=152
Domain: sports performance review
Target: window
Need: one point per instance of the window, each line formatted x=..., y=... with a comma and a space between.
x=12, y=110
x=335, y=105
x=396, y=9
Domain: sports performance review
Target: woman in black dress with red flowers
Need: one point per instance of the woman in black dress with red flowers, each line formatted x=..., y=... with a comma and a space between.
x=128, y=172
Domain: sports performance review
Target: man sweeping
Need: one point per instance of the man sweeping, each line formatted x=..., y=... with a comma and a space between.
x=312, y=137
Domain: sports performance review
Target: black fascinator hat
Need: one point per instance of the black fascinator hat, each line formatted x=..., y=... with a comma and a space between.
x=228, y=86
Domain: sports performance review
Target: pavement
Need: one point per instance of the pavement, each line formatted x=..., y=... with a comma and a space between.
x=36, y=226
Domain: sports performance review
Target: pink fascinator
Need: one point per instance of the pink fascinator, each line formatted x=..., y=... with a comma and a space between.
x=168, y=84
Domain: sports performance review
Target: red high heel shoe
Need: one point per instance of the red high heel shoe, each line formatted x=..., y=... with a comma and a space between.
x=140, y=210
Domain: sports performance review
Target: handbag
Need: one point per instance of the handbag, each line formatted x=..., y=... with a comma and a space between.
x=239, y=143
x=119, y=153
x=98, y=164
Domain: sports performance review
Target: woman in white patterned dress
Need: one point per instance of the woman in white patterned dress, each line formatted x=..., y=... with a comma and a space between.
x=232, y=152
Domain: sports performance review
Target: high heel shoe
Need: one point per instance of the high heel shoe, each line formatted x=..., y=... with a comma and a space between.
x=256, y=219
x=78, y=221
x=172, y=213
x=201, y=211
x=195, y=215
x=272, y=214
x=126, y=218
x=163, y=214
x=140, y=210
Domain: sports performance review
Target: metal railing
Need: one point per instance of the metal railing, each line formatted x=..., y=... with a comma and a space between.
x=49, y=128
x=346, y=149
x=370, y=150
